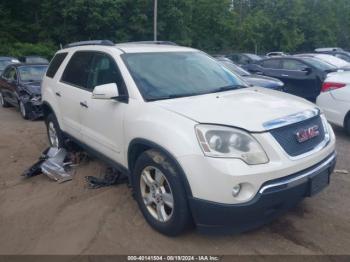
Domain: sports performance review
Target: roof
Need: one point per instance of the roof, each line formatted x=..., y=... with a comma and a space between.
x=131, y=47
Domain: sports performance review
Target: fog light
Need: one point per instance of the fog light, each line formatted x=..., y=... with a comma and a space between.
x=236, y=189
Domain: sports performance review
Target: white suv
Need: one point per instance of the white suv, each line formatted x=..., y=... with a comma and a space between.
x=197, y=144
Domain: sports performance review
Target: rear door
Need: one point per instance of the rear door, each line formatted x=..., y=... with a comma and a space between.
x=70, y=90
x=299, y=79
x=271, y=67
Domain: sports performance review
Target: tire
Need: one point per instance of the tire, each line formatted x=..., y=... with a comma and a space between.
x=168, y=221
x=54, y=133
x=24, y=109
x=3, y=102
x=347, y=125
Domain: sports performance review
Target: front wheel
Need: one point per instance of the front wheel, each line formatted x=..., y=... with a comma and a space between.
x=3, y=102
x=54, y=133
x=160, y=193
x=24, y=109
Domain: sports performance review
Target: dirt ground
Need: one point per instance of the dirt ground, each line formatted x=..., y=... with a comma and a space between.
x=40, y=216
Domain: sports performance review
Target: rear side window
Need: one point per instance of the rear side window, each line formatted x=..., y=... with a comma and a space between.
x=55, y=64
x=78, y=68
x=271, y=63
x=293, y=65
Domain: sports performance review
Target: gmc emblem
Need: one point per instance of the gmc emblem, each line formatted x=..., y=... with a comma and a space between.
x=307, y=134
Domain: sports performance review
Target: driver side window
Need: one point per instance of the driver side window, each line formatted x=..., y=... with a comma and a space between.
x=105, y=71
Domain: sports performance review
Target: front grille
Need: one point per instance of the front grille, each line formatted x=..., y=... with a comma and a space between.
x=286, y=136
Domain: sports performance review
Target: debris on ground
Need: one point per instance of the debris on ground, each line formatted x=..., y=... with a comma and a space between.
x=57, y=164
x=341, y=171
x=111, y=177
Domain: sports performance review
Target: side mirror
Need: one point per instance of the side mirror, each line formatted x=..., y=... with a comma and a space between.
x=107, y=91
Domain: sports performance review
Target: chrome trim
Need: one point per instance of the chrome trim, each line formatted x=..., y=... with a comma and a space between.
x=299, y=179
x=291, y=119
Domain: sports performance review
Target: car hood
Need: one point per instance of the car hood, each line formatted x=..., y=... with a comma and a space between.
x=248, y=108
x=263, y=81
x=32, y=87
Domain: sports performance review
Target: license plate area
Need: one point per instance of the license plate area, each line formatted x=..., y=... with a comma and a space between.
x=318, y=182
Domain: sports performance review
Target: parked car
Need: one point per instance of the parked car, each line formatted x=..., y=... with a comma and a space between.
x=273, y=54
x=20, y=87
x=334, y=61
x=195, y=143
x=251, y=79
x=33, y=60
x=5, y=61
x=335, y=99
x=302, y=76
x=335, y=51
x=243, y=58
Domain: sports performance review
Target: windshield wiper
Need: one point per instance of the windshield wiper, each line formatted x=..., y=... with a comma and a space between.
x=228, y=88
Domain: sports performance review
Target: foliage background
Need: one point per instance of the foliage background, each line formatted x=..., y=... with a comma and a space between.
x=40, y=26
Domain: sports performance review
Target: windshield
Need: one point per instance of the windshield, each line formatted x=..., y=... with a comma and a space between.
x=253, y=57
x=31, y=73
x=178, y=74
x=4, y=63
x=319, y=64
x=36, y=60
x=235, y=69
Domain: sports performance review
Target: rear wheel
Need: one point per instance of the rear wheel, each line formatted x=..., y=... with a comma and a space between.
x=3, y=102
x=160, y=193
x=54, y=133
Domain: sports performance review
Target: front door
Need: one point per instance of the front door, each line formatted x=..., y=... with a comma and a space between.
x=102, y=120
x=299, y=79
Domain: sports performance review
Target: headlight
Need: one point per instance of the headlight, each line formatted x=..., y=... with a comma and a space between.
x=226, y=142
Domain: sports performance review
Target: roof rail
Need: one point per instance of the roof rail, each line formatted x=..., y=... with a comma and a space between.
x=91, y=42
x=153, y=42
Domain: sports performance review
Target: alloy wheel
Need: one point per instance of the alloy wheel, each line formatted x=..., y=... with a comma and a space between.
x=157, y=194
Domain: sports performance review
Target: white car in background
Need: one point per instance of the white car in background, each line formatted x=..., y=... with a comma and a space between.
x=330, y=59
x=335, y=99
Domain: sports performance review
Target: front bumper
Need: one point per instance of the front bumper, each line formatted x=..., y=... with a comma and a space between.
x=274, y=198
x=34, y=107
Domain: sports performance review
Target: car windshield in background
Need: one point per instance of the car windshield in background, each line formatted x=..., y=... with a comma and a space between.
x=36, y=60
x=235, y=69
x=179, y=74
x=31, y=73
x=254, y=57
x=319, y=64
x=4, y=63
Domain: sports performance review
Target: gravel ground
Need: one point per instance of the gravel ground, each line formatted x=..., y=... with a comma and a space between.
x=40, y=216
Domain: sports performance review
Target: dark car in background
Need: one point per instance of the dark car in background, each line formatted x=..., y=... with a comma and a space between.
x=5, y=61
x=20, y=86
x=243, y=58
x=302, y=76
x=33, y=60
x=251, y=79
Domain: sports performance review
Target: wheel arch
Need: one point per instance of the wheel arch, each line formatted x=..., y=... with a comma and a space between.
x=47, y=109
x=139, y=145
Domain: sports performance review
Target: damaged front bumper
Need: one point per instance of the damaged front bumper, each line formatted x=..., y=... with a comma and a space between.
x=34, y=106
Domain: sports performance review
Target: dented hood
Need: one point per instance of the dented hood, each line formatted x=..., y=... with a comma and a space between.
x=247, y=108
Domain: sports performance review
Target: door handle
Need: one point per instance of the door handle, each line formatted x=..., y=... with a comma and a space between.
x=58, y=94
x=284, y=75
x=84, y=104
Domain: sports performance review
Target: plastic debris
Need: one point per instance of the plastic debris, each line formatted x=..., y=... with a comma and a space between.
x=56, y=163
x=343, y=171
